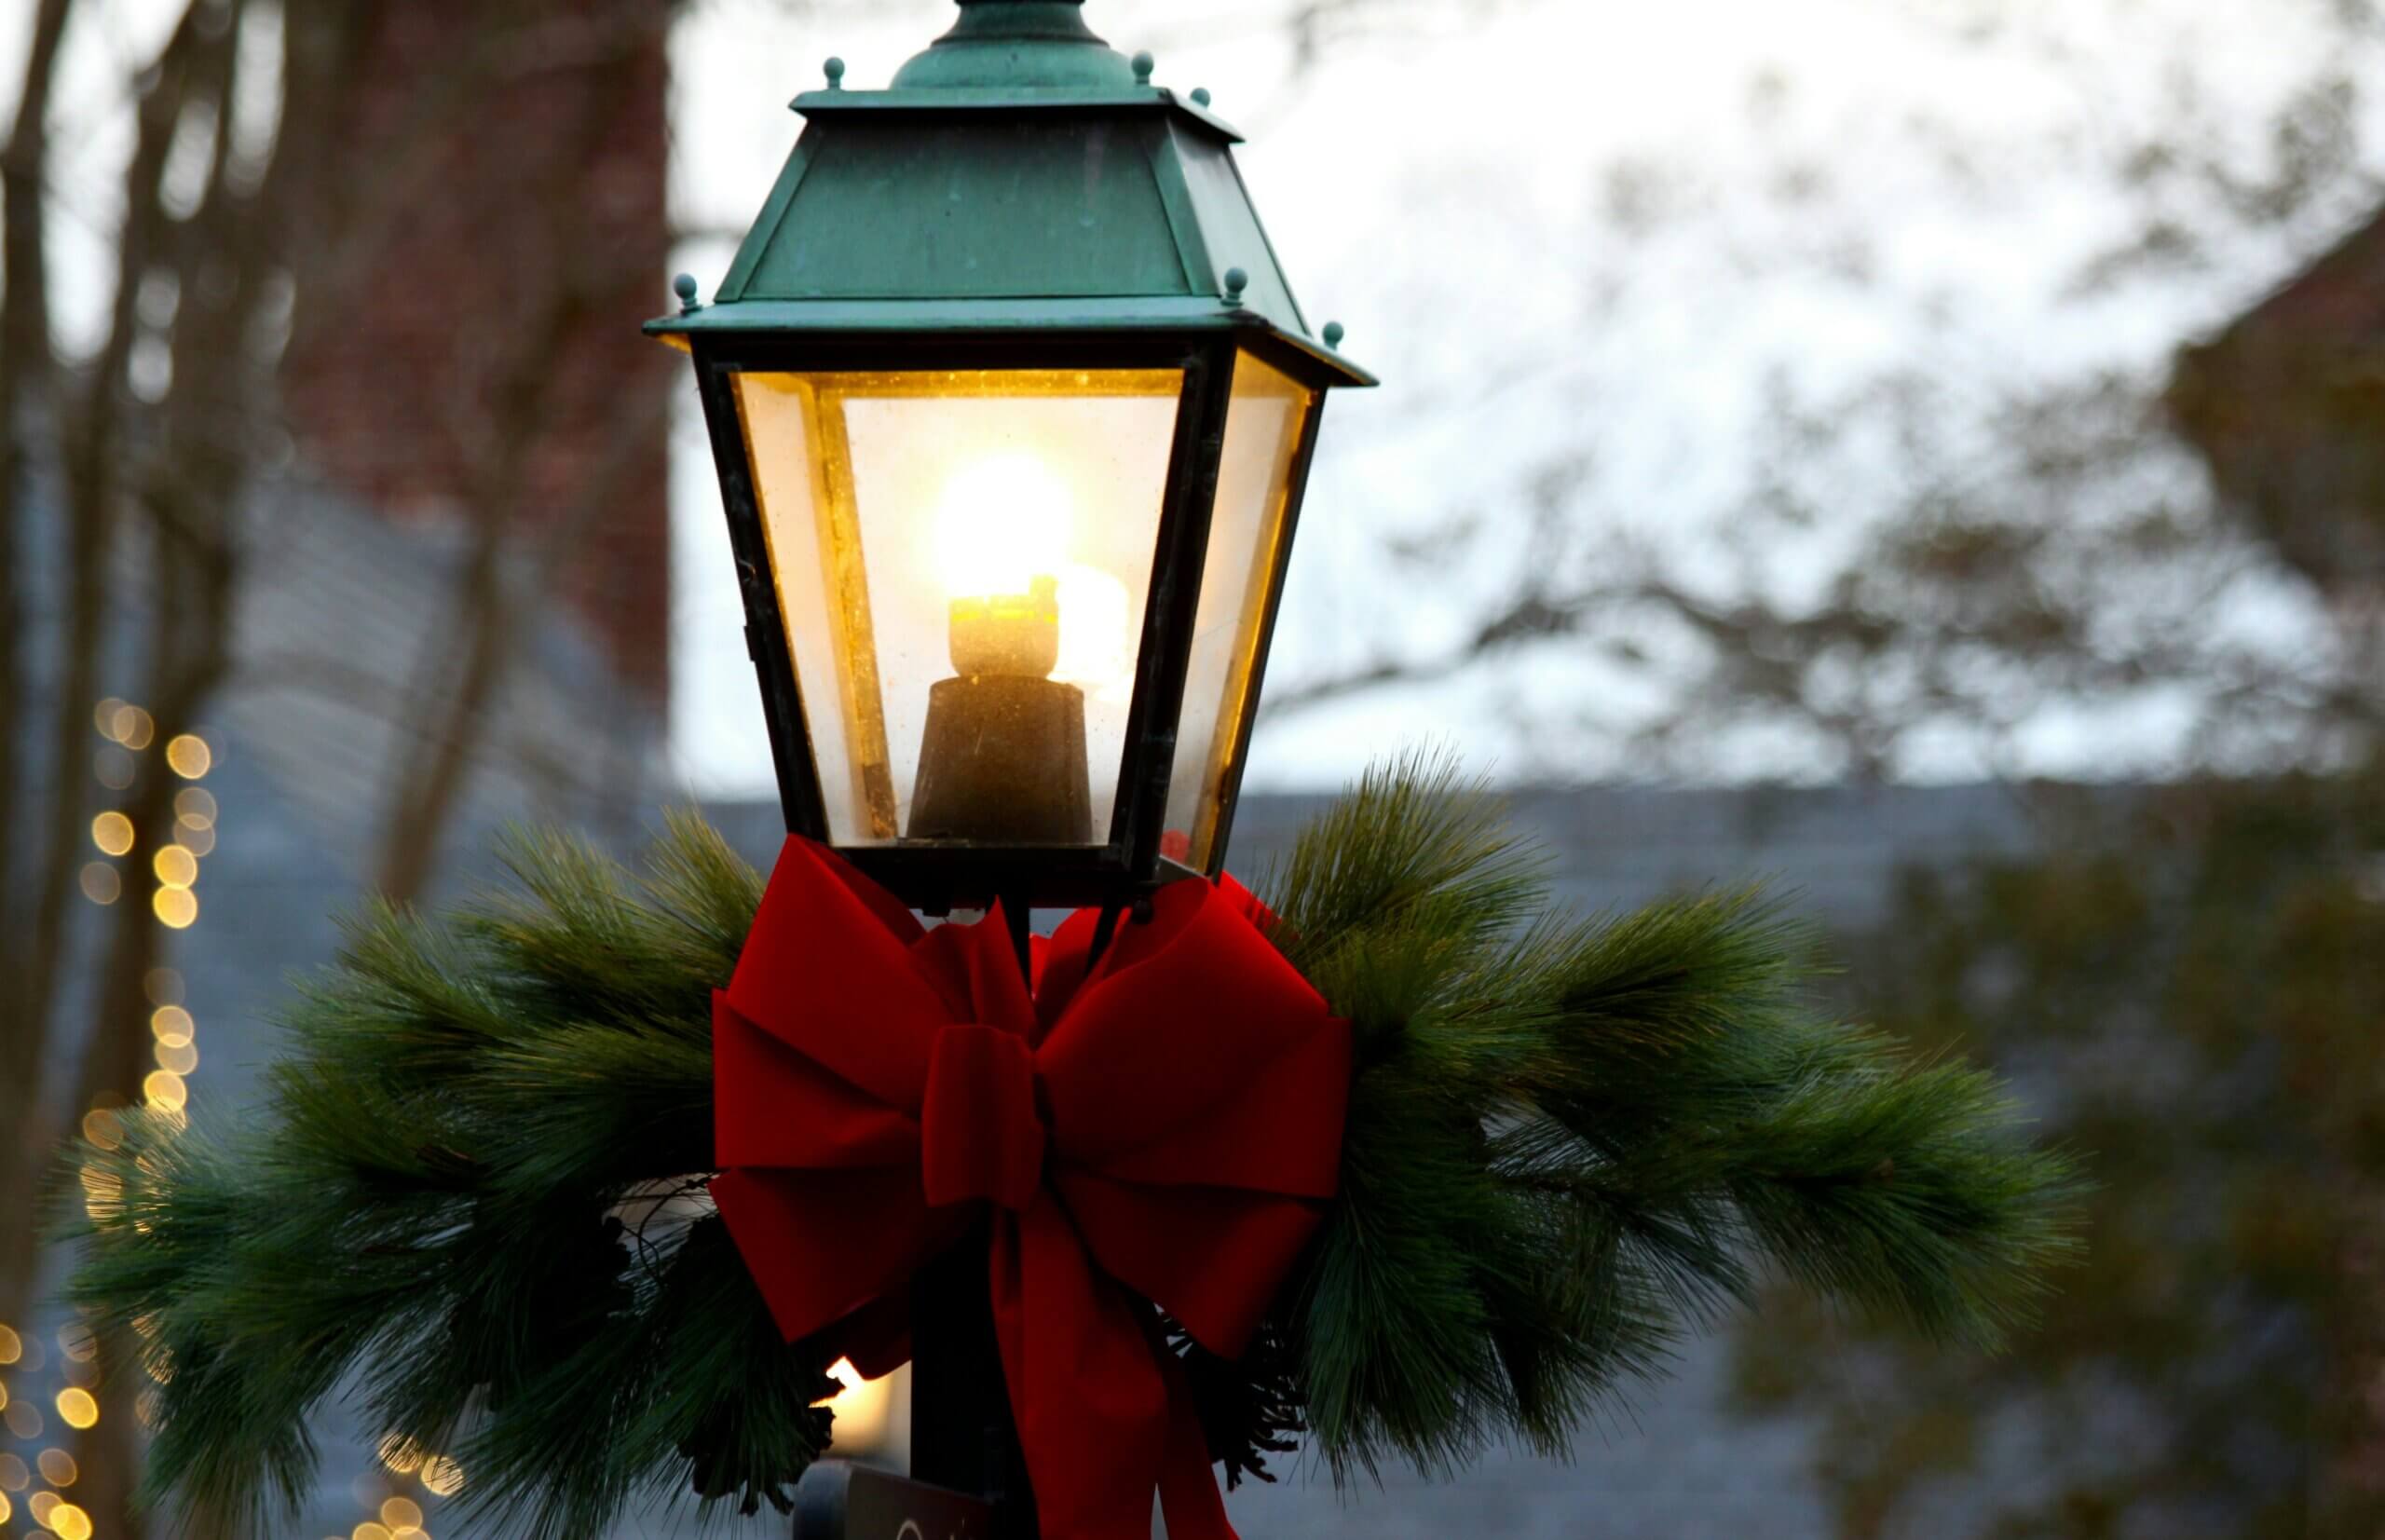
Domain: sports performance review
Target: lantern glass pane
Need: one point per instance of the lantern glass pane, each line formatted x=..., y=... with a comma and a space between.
x=963, y=560
x=1264, y=426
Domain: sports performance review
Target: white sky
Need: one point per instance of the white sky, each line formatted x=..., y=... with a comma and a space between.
x=1441, y=189
x=1444, y=188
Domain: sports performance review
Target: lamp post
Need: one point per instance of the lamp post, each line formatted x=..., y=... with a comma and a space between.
x=1013, y=411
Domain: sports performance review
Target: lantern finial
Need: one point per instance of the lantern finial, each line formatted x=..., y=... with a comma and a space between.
x=1017, y=43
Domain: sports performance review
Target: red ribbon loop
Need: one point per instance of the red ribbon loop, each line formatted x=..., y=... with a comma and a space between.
x=1161, y=1127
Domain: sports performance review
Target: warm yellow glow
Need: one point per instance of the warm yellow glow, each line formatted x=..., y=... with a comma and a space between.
x=177, y=907
x=175, y=866
x=164, y=1088
x=69, y=1522
x=133, y=728
x=12, y=1347
x=4, y=1397
x=163, y=986
x=112, y=832
x=402, y=1513
x=189, y=756
x=400, y=1455
x=443, y=1476
x=171, y=1024
x=1003, y=522
x=861, y=1408
x=103, y=1128
x=42, y=1506
x=102, y=1192
x=77, y=1408
x=22, y=1419
x=104, y=716
x=8, y=1509
x=1096, y=652
x=100, y=884
x=1007, y=519
x=182, y=1058
x=58, y=1467
x=76, y=1341
x=369, y=1531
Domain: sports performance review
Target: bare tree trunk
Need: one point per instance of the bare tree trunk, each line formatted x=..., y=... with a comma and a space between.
x=173, y=472
x=93, y=457
x=464, y=669
x=24, y=379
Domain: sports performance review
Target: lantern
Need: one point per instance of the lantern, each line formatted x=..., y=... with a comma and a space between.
x=1013, y=411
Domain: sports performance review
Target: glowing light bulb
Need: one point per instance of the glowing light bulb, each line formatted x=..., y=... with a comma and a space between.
x=1004, y=522
x=1002, y=542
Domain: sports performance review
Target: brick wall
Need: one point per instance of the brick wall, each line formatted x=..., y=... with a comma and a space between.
x=2287, y=407
x=465, y=345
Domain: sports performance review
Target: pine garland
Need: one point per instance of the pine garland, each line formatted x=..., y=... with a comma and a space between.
x=475, y=1187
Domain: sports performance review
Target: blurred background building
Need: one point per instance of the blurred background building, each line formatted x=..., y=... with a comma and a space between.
x=1919, y=452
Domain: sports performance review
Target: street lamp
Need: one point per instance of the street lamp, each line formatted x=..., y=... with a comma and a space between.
x=1013, y=411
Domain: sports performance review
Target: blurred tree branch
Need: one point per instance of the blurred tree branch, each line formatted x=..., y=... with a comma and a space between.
x=128, y=497
x=1977, y=550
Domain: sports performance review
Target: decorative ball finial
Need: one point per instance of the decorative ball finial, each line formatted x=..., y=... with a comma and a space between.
x=685, y=287
x=1201, y=96
x=1236, y=281
x=1144, y=64
x=836, y=71
x=1333, y=334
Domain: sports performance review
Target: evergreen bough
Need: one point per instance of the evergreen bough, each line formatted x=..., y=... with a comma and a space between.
x=471, y=1203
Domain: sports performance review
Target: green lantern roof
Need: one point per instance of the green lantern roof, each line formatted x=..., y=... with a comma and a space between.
x=1019, y=174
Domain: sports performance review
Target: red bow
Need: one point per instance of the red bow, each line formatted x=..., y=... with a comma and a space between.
x=1163, y=1127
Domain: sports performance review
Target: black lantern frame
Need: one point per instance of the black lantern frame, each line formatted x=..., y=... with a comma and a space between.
x=935, y=876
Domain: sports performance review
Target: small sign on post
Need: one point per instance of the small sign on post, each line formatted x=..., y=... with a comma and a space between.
x=837, y=1500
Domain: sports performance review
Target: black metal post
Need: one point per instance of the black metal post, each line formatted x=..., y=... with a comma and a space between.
x=962, y=1433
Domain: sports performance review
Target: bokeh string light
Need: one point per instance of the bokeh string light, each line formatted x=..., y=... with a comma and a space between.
x=189, y=756
x=175, y=866
x=77, y=1408
x=112, y=832
x=100, y=883
x=128, y=731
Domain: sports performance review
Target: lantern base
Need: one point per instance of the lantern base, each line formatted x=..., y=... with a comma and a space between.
x=1002, y=762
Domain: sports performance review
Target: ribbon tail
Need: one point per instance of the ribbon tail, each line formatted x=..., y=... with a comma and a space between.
x=1092, y=1406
